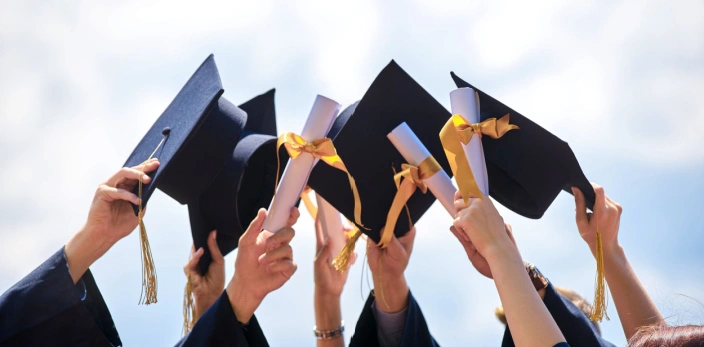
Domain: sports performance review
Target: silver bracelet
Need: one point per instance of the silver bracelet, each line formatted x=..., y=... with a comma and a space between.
x=329, y=334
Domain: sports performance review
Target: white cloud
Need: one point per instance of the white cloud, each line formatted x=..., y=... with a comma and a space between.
x=81, y=85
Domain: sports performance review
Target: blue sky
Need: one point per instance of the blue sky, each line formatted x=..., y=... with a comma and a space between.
x=621, y=81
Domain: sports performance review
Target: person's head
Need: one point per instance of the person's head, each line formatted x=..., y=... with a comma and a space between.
x=664, y=335
x=570, y=295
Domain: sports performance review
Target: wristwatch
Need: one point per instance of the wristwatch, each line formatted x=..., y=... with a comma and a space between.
x=539, y=281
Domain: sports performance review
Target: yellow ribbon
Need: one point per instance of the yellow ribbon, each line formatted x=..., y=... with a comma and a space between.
x=308, y=203
x=458, y=131
x=407, y=181
x=324, y=150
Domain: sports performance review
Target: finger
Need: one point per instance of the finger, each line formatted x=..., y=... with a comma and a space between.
x=293, y=217
x=459, y=205
x=284, y=236
x=600, y=200
x=193, y=250
x=458, y=195
x=192, y=265
x=580, y=207
x=461, y=236
x=250, y=235
x=111, y=194
x=148, y=166
x=614, y=204
x=128, y=173
x=283, y=252
x=321, y=254
x=285, y=267
x=214, y=249
x=353, y=259
x=319, y=238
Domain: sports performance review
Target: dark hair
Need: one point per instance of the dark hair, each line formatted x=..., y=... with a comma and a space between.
x=668, y=336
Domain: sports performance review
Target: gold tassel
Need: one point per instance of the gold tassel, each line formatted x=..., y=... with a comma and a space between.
x=189, y=307
x=341, y=260
x=149, y=285
x=600, y=294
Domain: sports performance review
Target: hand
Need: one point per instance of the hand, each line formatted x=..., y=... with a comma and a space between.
x=387, y=266
x=484, y=226
x=328, y=281
x=208, y=287
x=608, y=214
x=477, y=260
x=264, y=263
x=110, y=218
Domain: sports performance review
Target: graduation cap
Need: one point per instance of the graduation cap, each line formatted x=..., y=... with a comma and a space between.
x=243, y=186
x=527, y=168
x=193, y=138
x=360, y=136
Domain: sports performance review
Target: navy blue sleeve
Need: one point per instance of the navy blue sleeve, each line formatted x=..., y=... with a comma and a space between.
x=415, y=333
x=47, y=308
x=574, y=324
x=219, y=327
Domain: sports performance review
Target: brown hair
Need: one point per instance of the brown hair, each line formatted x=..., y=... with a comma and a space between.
x=668, y=336
x=570, y=295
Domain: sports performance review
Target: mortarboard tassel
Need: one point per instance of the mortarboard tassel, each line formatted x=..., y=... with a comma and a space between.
x=149, y=284
x=189, y=307
x=599, y=305
x=341, y=260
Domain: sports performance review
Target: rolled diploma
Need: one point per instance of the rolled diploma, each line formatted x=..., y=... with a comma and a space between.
x=331, y=221
x=463, y=102
x=297, y=170
x=410, y=147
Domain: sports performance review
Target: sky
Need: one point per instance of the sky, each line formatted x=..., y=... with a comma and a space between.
x=622, y=81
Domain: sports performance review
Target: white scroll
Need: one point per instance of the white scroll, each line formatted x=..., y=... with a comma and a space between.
x=297, y=170
x=465, y=103
x=413, y=150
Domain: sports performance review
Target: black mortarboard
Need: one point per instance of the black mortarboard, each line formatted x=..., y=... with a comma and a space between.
x=245, y=184
x=528, y=167
x=199, y=129
x=192, y=139
x=360, y=137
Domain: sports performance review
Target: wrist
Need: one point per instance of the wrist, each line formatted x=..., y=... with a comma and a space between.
x=243, y=302
x=501, y=252
x=328, y=312
x=82, y=250
x=391, y=293
x=202, y=303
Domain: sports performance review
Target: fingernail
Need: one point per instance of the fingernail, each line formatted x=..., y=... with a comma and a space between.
x=213, y=235
x=145, y=177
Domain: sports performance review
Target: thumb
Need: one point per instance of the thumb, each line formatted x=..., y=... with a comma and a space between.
x=250, y=236
x=580, y=207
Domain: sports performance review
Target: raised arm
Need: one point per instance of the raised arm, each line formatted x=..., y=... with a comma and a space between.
x=531, y=323
x=634, y=306
x=328, y=289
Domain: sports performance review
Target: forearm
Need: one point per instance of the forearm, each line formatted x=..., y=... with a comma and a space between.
x=634, y=306
x=243, y=302
x=531, y=323
x=202, y=303
x=391, y=292
x=82, y=250
x=328, y=316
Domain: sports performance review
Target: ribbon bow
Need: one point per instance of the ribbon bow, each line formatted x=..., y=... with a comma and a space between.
x=407, y=181
x=322, y=149
x=492, y=127
x=458, y=131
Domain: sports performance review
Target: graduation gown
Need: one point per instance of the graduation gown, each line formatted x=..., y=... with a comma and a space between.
x=415, y=332
x=47, y=309
x=574, y=324
x=219, y=327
